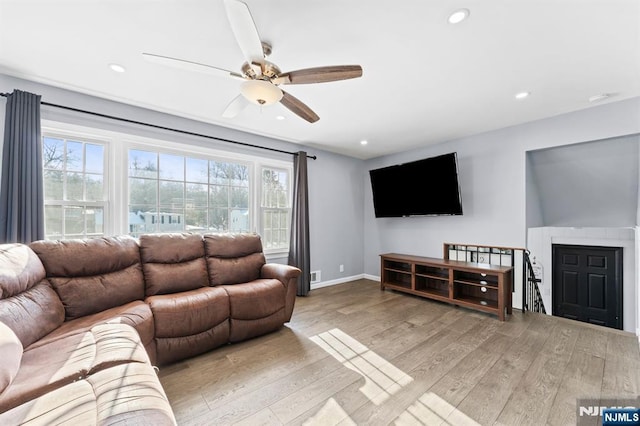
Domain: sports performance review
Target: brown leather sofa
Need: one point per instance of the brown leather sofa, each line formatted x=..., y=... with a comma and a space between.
x=82, y=322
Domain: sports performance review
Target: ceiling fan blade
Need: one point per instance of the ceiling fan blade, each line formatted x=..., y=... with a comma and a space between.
x=245, y=31
x=298, y=108
x=235, y=107
x=319, y=74
x=190, y=66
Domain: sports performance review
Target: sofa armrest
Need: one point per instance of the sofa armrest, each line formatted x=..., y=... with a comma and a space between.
x=280, y=272
x=288, y=276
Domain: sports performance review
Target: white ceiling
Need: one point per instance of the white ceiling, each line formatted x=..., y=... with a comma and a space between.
x=424, y=81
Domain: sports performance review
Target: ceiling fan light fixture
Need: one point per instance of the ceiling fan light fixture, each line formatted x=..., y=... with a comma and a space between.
x=260, y=92
x=458, y=16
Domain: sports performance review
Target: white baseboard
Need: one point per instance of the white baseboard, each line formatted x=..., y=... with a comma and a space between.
x=336, y=281
x=344, y=280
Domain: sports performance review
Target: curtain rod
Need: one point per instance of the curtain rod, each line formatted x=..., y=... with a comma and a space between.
x=156, y=126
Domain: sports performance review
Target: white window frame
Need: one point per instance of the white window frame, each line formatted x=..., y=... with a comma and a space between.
x=117, y=146
x=73, y=134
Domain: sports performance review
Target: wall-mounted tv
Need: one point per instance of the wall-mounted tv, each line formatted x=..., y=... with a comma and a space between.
x=419, y=188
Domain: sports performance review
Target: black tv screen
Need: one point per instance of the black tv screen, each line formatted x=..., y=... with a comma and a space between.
x=419, y=188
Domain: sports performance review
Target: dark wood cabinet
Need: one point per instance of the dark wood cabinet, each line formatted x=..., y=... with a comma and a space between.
x=474, y=285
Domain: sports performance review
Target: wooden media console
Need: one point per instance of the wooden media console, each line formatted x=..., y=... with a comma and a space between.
x=473, y=285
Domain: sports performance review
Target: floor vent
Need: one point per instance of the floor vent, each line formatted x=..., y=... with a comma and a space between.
x=315, y=277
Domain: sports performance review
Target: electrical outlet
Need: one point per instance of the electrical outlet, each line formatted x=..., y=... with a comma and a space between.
x=341, y=268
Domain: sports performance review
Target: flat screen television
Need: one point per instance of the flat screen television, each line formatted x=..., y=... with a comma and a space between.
x=427, y=187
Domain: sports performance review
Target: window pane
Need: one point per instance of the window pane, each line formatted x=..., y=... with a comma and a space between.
x=53, y=221
x=143, y=164
x=196, y=219
x=170, y=220
x=74, y=187
x=239, y=220
x=142, y=192
x=171, y=167
x=94, y=185
x=53, y=185
x=196, y=196
x=53, y=153
x=219, y=220
x=143, y=220
x=73, y=220
x=240, y=197
x=74, y=156
x=218, y=196
x=95, y=220
x=197, y=170
x=94, y=161
x=171, y=195
x=239, y=175
x=218, y=173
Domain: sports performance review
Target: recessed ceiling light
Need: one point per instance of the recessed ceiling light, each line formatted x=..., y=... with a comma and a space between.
x=458, y=16
x=600, y=97
x=117, y=68
x=279, y=117
x=364, y=142
x=522, y=95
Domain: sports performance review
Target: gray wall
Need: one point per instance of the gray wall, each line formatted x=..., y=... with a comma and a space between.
x=592, y=184
x=335, y=184
x=492, y=172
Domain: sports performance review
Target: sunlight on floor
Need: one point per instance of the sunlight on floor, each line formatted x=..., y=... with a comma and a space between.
x=430, y=409
x=382, y=379
x=330, y=414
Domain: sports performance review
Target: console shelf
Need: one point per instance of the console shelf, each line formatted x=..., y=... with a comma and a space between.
x=474, y=285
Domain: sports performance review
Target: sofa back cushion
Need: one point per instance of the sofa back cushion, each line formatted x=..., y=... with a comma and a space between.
x=173, y=263
x=10, y=354
x=28, y=305
x=33, y=314
x=20, y=269
x=93, y=275
x=233, y=258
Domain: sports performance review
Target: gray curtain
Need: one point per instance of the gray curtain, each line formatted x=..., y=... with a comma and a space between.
x=299, y=245
x=21, y=190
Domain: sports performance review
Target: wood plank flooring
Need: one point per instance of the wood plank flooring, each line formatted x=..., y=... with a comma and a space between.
x=353, y=355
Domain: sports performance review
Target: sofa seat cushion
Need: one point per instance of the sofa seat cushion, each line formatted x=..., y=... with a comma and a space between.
x=127, y=394
x=92, y=275
x=72, y=357
x=257, y=307
x=136, y=314
x=10, y=356
x=256, y=299
x=173, y=263
x=190, y=322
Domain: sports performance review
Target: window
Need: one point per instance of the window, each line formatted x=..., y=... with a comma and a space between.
x=159, y=186
x=211, y=196
x=74, y=188
x=276, y=208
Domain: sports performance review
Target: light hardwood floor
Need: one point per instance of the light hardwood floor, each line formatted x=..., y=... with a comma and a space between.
x=355, y=355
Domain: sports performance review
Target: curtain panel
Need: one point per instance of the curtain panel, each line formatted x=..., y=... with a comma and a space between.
x=299, y=253
x=21, y=188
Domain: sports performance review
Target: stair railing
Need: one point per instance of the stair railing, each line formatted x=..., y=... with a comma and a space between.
x=531, y=297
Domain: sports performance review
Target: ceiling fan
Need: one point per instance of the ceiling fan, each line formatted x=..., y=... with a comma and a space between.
x=261, y=78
